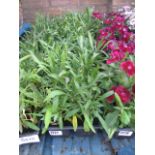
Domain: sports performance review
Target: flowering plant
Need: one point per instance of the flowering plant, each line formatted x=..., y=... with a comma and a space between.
x=117, y=45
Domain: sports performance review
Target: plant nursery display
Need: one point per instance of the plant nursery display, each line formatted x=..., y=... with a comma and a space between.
x=78, y=69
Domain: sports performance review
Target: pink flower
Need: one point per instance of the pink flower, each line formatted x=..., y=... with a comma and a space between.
x=112, y=45
x=119, y=18
x=123, y=93
x=123, y=30
x=97, y=15
x=131, y=44
x=115, y=56
x=128, y=67
x=103, y=33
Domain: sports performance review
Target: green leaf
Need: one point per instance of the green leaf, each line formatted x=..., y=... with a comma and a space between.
x=109, y=131
x=90, y=40
x=35, y=58
x=53, y=94
x=60, y=122
x=56, y=93
x=24, y=58
x=105, y=95
x=125, y=117
x=31, y=125
x=118, y=100
x=87, y=105
x=100, y=44
x=55, y=105
x=86, y=126
x=89, y=122
x=123, y=79
x=55, y=117
x=62, y=73
x=35, y=114
x=102, y=121
x=47, y=119
x=20, y=127
x=89, y=12
x=76, y=84
x=112, y=118
x=74, y=122
x=81, y=41
x=70, y=113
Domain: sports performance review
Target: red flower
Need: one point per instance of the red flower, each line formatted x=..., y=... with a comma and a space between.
x=107, y=21
x=117, y=25
x=116, y=56
x=123, y=93
x=128, y=67
x=123, y=30
x=97, y=15
x=123, y=46
x=117, y=33
x=99, y=38
x=126, y=47
x=131, y=44
x=108, y=29
x=120, y=19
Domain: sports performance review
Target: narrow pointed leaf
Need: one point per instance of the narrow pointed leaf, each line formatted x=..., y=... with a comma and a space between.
x=47, y=119
x=31, y=125
x=74, y=123
x=53, y=94
x=89, y=122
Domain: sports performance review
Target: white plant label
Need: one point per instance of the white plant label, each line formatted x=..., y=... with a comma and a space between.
x=125, y=133
x=29, y=139
x=55, y=133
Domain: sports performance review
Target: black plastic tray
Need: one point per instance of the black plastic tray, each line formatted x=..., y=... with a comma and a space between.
x=54, y=130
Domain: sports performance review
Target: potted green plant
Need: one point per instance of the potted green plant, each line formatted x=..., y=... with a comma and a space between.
x=73, y=78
